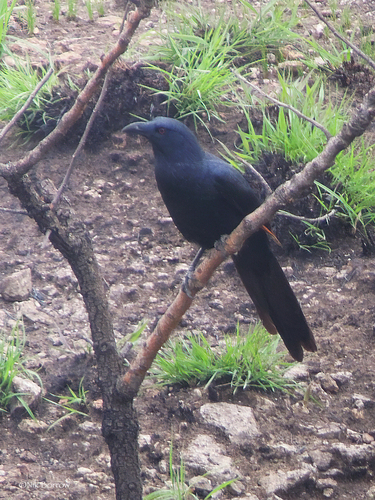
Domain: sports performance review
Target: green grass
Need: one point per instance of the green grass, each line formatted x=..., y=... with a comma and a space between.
x=56, y=10
x=5, y=13
x=201, y=49
x=89, y=8
x=30, y=16
x=72, y=10
x=178, y=489
x=17, y=83
x=293, y=137
x=242, y=361
x=73, y=404
x=12, y=363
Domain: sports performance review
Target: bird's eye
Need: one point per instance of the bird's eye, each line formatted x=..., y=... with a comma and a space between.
x=161, y=130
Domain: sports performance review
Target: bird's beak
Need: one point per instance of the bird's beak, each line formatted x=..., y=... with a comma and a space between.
x=137, y=128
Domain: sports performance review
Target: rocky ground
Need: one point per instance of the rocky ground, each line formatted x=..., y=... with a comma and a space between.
x=277, y=445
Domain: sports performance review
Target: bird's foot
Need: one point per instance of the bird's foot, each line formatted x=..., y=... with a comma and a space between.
x=186, y=283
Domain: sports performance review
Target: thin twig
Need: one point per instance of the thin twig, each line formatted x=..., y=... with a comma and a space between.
x=316, y=220
x=11, y=211
x=19, y=113
x=283, y=105
x=342, y=38
x=258, y=176
x=82, y=142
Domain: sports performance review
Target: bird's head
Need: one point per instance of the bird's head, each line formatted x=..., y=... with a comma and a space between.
x=170, y=139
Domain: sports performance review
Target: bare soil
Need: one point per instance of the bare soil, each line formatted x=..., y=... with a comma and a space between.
x=143, y=258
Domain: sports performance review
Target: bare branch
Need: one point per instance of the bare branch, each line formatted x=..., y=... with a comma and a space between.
x=316, y=220
x=284, y=194
x=82, y=142
x=11, y=211
x=258, y=176
x=19, y=113
x=283, y=105
x=340, y=37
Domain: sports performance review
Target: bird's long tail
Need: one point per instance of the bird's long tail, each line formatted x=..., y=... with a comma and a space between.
x=272, y=295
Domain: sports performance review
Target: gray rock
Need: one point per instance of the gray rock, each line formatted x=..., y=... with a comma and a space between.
x=322, y=484
x=354, y=454
x=201, y=485
x=297, y=372
x=361, y=401
x=331, y=431
x=31, y=309
x=281, y=482
x=204, y=455
x=327, y=382
x=236, y=422
x=30, y=393
x=33, y=426
x=17, y=286
x=321, y=459
x=342, y=378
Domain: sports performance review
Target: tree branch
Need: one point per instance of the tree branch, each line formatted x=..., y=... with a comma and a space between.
x=283, y=105
x=340, y=37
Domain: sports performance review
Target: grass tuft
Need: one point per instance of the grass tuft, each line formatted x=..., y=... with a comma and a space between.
x=243, y=362
x=12, y=363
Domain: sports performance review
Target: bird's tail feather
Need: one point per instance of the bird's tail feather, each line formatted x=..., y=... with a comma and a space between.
x=273, y=296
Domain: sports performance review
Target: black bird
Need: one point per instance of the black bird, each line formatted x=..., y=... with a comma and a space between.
x=207, y=198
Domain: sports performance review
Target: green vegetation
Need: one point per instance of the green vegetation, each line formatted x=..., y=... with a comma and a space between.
x=242, y=361
x=13, y=363
x=100, y=8
x=5, y=13
x=30, y=16
x=178, y=489
x=56, y=10
x=72, y=10
x=202, y=49
x=90, y=11
x=73, y=404
x=294, y=137
x=16, y=85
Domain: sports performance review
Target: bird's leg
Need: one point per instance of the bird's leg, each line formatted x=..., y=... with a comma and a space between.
x=189, y=274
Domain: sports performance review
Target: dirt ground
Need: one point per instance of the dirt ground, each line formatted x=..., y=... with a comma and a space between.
x=143, y=258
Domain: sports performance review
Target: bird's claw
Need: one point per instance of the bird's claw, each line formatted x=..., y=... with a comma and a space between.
x=186, y=285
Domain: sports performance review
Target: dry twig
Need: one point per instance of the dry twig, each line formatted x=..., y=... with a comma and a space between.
x=283, y=105
x=340, y=37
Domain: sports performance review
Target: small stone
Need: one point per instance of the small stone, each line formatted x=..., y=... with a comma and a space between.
x=327, y=382
x=237, y=422
x=342, y=378
x=163, y=466
x=361, y=401
x=27, y=456
x=297, y=372
x=83, y=471
x=144, y=442
x=33, y=426
x=17, y=286
x=31, y=393
x=201, y=485
x=321, y=459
